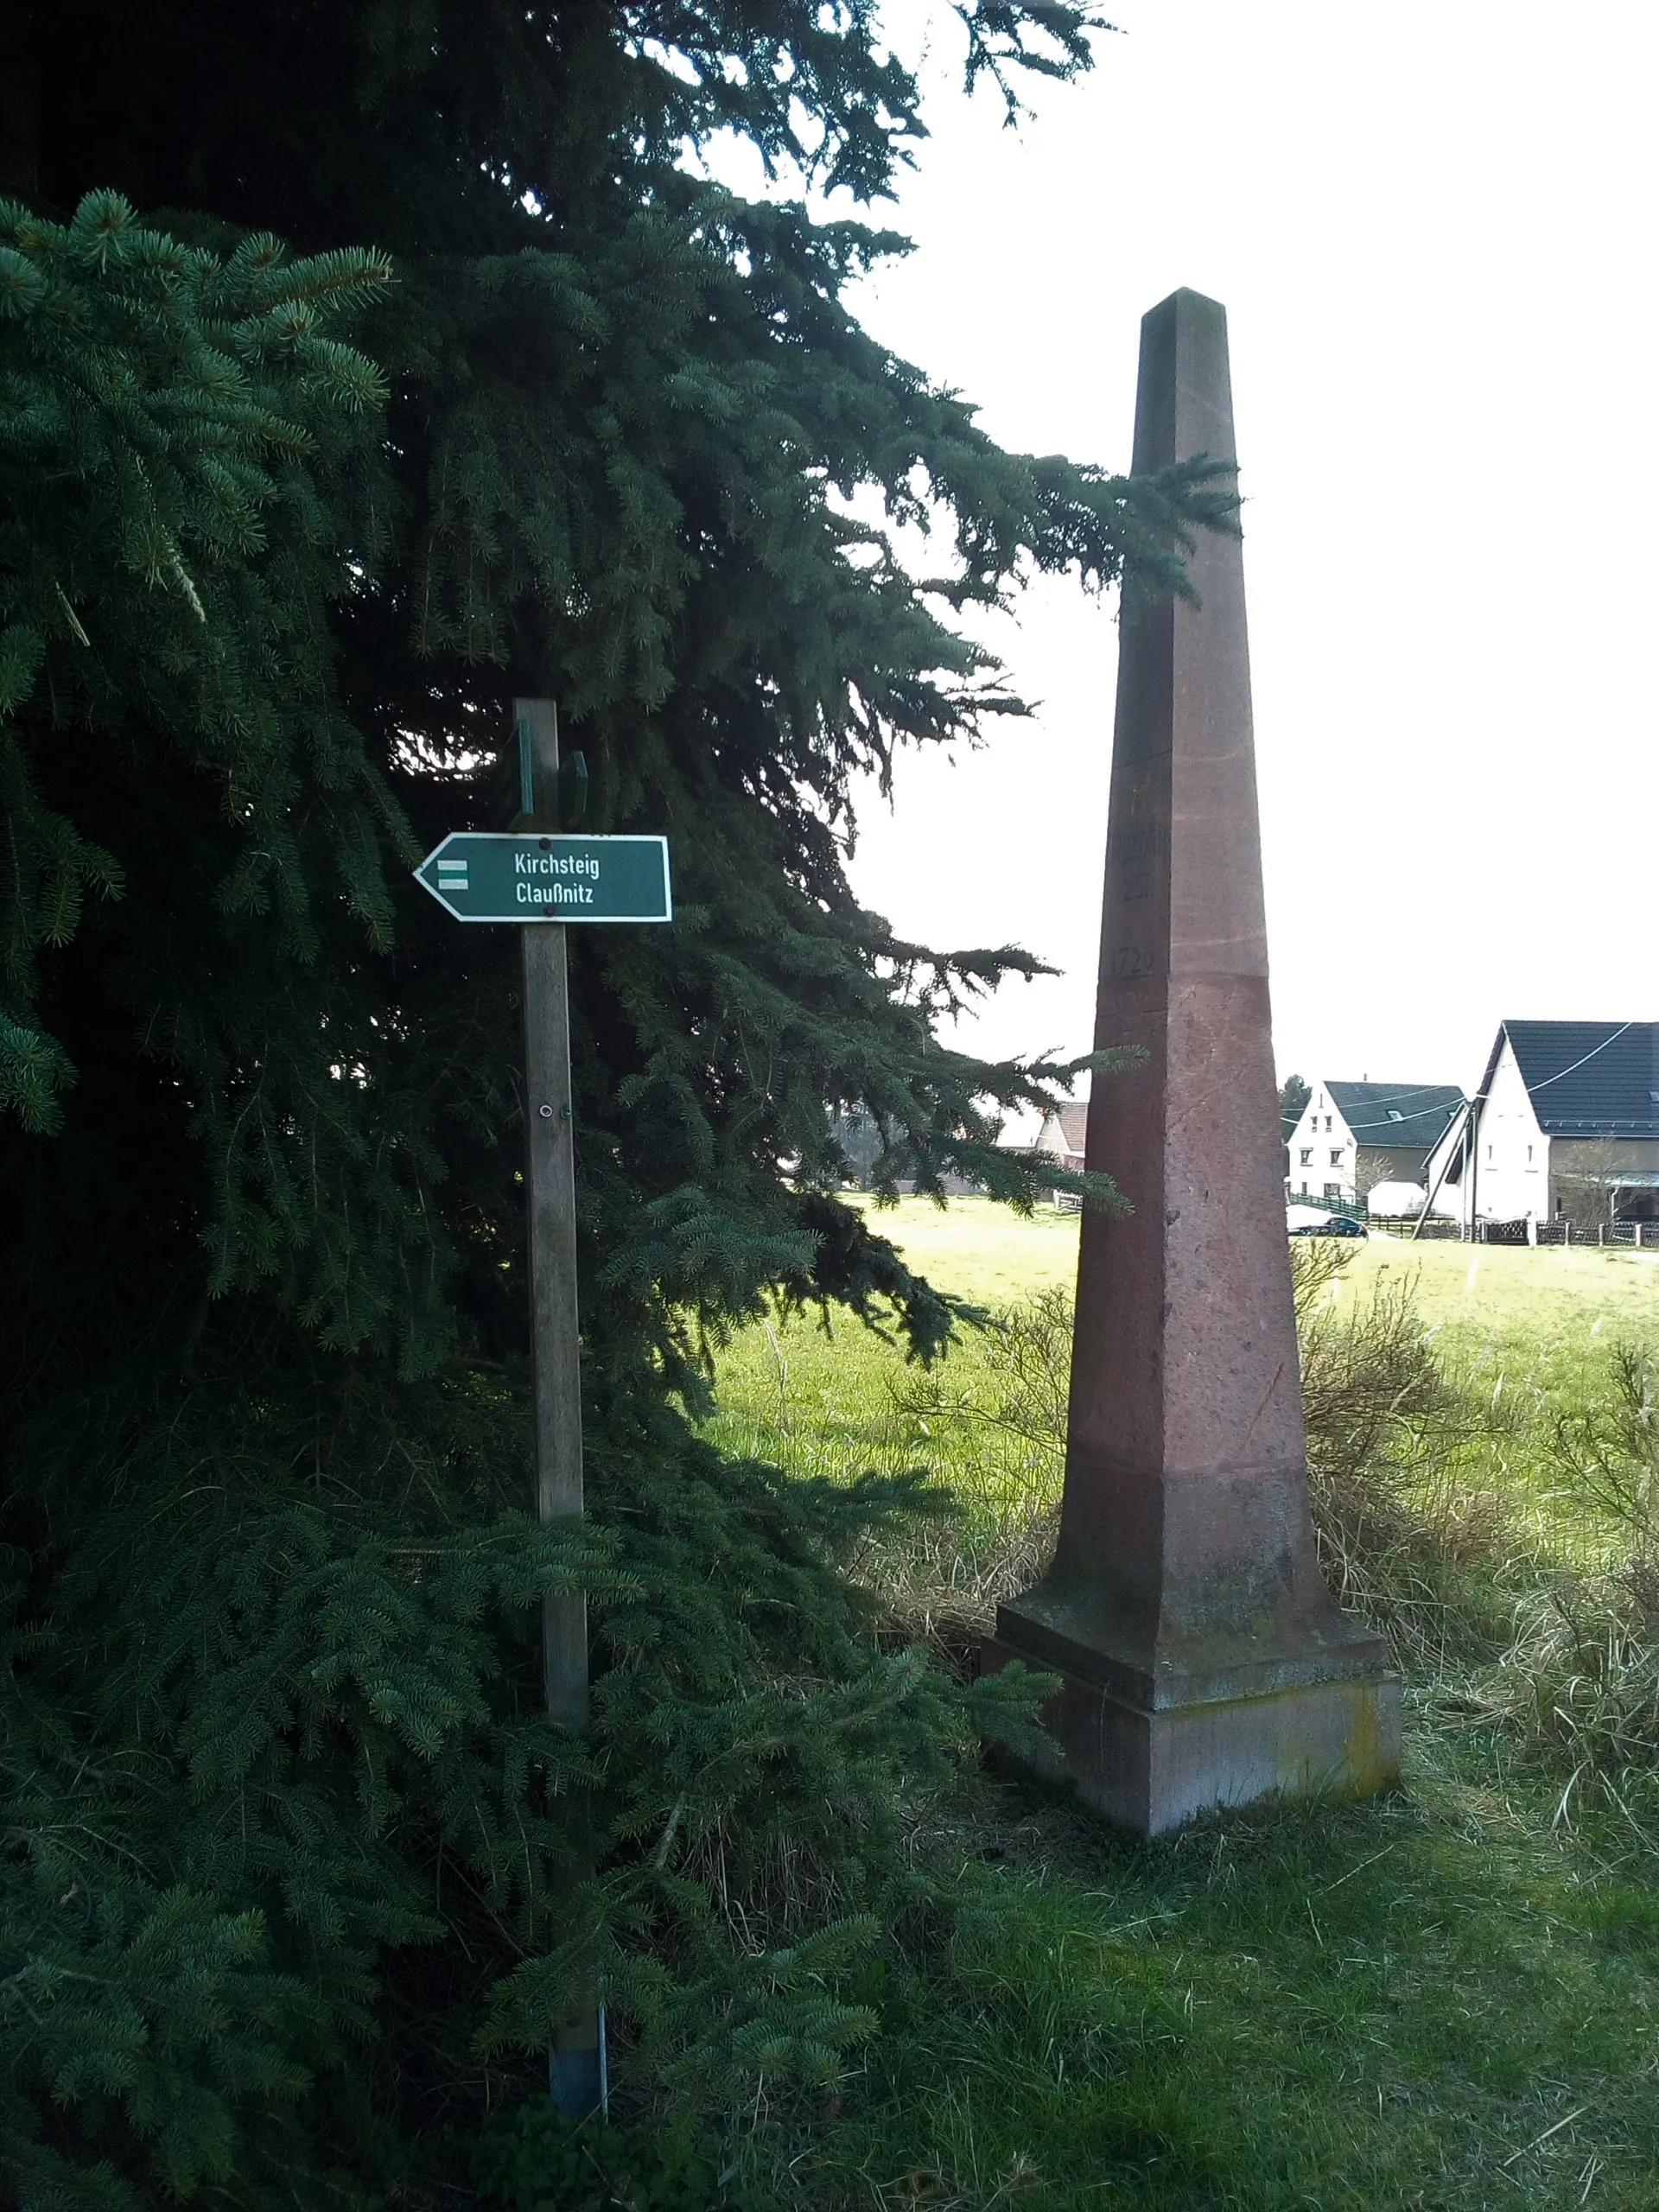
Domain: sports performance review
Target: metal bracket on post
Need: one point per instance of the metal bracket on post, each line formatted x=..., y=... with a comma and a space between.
x=576, y=2069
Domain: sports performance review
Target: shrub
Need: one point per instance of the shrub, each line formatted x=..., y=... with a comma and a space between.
x=529, y=2160
x=1408, y=1524
x=947, y=1578
x=1403, y=1515
x=1580, y=1683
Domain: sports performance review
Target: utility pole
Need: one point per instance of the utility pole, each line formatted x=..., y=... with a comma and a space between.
x=577, y=2067
x=1452, y=1151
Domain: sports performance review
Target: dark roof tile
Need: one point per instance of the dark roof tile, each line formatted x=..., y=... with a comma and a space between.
x=1402, y=1114
x=1074, y=1123
x=1587, y=1078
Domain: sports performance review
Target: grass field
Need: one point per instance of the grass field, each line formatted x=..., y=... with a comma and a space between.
x=1533, y=1328
x=1448, y=1998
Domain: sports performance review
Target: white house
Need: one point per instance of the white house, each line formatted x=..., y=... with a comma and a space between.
x=1065, y=1134
x=1060, y=1134
x=1352, y=1136
x=1565, y=1123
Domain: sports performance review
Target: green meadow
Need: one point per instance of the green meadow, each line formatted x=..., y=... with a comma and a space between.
x=1445, y=1998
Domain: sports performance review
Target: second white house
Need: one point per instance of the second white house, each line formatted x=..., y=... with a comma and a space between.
x=1352, y=1136
x=1564, y=1125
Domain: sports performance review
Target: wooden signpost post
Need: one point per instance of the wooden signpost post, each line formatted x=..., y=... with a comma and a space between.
x=541, y=878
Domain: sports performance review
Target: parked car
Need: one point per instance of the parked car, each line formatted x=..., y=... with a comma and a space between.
x=1334, y=1224
x=1305, y=1220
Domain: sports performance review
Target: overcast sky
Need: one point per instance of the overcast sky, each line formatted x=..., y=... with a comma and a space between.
x=1433, y=227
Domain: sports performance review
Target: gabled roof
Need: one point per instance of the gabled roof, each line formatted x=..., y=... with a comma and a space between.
x=1061, y=1131
x=1586, y=1078
x=1404, y=1114
x=1074, y=1124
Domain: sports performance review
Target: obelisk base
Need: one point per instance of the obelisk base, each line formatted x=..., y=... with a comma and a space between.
x=1151, y=1770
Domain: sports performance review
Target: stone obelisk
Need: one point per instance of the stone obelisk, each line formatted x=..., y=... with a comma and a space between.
x=1204, y=1663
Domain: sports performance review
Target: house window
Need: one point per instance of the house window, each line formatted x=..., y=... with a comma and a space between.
x=1307, y=1157
x=1327, y=1125
x=1336, y=1155
x=1529, y=1156
x=1489, y=1155
x=1333, y=1192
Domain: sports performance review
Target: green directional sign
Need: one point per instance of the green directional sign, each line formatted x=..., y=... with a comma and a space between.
x=485, y=878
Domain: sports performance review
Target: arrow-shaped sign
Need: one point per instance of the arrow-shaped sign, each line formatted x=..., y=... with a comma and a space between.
x=479, y=877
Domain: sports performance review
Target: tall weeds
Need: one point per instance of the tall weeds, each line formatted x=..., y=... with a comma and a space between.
x=1542, y=1626
x=1392, y=1448
x=1580, y=1680
x=1009, y=1425
x=1413, y=1531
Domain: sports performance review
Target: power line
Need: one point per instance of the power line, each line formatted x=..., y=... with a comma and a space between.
x=1417, y=1090
x=1423, y=1114
x=1450, y=1108
x=1533, y=1087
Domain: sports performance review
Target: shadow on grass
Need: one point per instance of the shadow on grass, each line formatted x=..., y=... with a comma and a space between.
x=1429, y=2001
x=1448, y=1997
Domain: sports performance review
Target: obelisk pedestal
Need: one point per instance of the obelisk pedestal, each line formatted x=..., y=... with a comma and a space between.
x=1204, y=1663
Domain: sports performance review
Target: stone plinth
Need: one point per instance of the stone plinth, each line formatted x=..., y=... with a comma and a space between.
x=1205, y=1662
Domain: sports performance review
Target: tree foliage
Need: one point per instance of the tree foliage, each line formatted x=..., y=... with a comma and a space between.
x=1293, y=1094
x=288, y=1870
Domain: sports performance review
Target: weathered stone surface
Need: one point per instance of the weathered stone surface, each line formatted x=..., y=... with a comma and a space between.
x=1205, y=1661
x=1153, y=1771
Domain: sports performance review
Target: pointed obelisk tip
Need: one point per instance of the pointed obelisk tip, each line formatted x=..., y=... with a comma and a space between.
x=1184, y=402
x=1184, y=296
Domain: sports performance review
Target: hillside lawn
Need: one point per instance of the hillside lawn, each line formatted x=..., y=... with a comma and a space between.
x=1448, y=1997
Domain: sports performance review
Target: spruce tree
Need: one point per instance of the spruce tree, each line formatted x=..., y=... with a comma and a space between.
x=284, y=1873
x=1293, y=1094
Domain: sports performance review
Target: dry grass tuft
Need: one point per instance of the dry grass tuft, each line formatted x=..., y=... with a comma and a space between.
x=1494, y=1510
x=1007, y=1427
x=1410, y=1522
x=1580, y=1681
x=1405, y=1506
